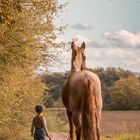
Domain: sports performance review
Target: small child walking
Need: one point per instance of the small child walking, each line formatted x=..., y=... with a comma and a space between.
x=38, y=128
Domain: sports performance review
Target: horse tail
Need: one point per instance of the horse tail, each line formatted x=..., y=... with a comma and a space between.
x=89, y=115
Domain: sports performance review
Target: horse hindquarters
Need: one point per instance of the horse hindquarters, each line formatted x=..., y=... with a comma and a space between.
x=89, y=117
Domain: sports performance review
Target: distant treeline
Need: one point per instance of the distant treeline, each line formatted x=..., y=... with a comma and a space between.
x=120, y=88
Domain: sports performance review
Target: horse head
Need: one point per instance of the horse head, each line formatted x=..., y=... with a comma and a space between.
x=78, y=61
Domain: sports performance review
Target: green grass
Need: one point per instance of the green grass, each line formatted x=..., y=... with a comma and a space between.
x=134, y=136
x=55, y=121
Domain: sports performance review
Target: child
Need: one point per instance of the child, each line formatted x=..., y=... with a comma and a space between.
x=38, y=128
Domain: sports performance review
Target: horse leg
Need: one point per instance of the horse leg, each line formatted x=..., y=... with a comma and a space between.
x=98, y=119
x=69, y=114
x=76, y=121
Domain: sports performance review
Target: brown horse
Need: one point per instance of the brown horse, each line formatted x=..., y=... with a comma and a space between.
x=82, y=98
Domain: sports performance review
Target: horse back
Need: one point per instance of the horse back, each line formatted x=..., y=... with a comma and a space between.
x=75, y=86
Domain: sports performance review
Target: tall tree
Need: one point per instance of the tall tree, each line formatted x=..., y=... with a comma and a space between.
x=27, y=31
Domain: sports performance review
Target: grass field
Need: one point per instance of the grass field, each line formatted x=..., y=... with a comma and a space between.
x=116, y=125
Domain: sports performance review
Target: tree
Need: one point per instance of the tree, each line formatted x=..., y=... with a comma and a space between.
x=108, y=76
x=27, y=31
x=125, y=94
x=54, y=82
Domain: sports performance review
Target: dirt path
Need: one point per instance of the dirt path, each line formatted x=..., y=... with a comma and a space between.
x=59, y=136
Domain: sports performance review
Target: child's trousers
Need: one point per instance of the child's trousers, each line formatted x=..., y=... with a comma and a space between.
x=39, y=134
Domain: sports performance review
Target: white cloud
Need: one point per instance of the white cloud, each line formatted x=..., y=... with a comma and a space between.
x=104, y=57
x=124, y=38
x=103, y=53
x=113, y=53
x=113, y=57
x=80, y=39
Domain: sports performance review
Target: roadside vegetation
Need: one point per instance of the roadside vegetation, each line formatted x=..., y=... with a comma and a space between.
x=27, y=32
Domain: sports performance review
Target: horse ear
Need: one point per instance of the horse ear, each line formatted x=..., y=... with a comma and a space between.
x=83, y=46
x=73, y=46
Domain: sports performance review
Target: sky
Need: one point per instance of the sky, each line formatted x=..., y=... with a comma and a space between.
x=110, y=28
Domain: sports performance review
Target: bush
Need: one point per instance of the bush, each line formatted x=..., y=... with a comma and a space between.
x=125, y=94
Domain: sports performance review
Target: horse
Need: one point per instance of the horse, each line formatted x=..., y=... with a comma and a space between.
x=81, y=95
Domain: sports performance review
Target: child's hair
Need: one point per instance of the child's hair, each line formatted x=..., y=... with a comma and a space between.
x=39, y=108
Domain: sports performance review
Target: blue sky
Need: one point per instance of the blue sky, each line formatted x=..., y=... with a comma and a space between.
x=110, y=28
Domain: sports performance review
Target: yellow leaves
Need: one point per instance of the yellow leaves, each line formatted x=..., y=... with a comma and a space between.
x=23, y=24
x=19, y=93
x=12, y=106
